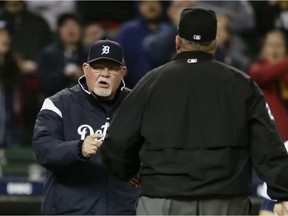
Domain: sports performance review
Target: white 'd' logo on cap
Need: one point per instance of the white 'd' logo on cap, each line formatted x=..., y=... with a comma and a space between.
x=197, y=37
x=105, y=50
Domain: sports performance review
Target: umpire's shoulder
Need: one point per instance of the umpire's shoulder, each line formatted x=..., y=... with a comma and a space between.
x=233, y=71
x=147, y=79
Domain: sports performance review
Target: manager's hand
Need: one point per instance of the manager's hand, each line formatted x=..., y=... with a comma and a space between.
x=281, y=209
x=91, y=145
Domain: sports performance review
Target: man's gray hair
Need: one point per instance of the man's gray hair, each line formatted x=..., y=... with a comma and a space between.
x=198, y=46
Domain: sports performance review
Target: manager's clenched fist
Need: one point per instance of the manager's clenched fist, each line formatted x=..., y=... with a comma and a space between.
x=281, y=209
x=91, y=145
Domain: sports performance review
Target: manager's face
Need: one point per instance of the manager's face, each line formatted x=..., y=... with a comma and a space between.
x=103, y=77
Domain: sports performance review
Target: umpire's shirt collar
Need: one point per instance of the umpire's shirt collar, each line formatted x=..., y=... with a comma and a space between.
x=194, y=56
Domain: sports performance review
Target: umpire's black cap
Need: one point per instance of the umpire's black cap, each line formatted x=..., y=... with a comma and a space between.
x=106, y=49
x=198, y=25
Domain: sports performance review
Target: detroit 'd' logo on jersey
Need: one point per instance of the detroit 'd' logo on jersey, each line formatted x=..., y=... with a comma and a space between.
x=86, y=130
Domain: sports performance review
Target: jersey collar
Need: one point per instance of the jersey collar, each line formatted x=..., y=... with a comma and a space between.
x=200, y=56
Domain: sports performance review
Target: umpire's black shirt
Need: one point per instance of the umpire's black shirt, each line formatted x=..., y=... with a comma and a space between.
x=199, y=126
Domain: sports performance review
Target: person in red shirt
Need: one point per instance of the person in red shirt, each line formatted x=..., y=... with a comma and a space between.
x=269, y=73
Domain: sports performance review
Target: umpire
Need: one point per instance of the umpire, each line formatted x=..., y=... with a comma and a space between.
x=193, y=129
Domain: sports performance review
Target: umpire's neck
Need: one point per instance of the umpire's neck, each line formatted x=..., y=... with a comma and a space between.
x=183, y=45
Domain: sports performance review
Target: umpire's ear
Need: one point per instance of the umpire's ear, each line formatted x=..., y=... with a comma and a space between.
x=177, y=43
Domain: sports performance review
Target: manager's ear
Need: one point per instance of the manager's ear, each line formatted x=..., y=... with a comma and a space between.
x=85, y=68
x=123, y=71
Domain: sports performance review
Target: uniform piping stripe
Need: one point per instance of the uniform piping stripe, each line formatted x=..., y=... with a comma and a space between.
x=286, y=145
x=82, y=85
x=49, y=105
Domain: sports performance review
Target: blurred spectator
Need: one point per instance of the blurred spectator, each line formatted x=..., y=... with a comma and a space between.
x=110, y=14
x=132, y=34
x=240, y=13
x=266, y=19
x=269, y=71
x=30, y=33
x=226, y=45
x=10, y=80
x=163, y=40
x=92, y=32
x=282, y=19
x=266, y=13
x=176, y=7
x=241, y=19
x=60, y=62
x=160, y=46
x=50, y=10
x=105, y=11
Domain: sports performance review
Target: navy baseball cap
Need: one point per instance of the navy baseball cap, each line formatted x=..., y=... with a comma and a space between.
x=106, y=49
x=198, y=25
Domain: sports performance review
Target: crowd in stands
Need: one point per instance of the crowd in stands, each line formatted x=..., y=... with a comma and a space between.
x=44, y=43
